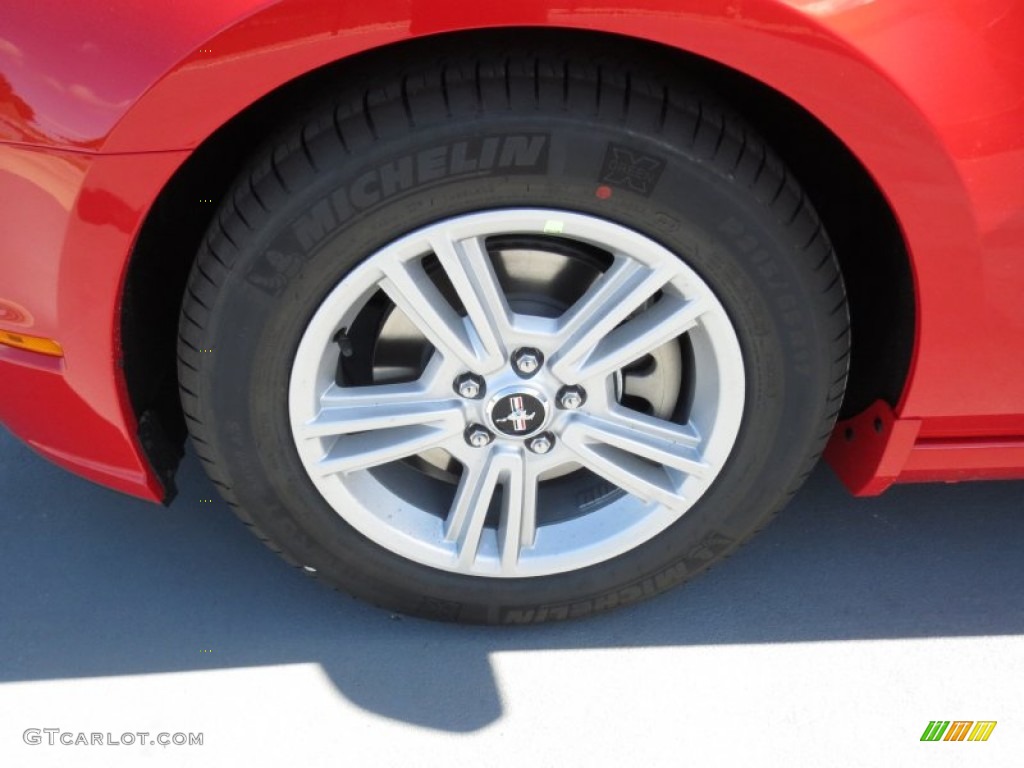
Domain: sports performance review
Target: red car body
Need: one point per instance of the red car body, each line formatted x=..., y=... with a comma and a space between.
x=99, y=110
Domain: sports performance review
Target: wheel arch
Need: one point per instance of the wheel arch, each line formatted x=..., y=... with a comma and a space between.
x=868, y=238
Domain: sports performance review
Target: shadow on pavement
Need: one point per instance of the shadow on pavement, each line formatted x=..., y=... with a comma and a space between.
x=94, y=584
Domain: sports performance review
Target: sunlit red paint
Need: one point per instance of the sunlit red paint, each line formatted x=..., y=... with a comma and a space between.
x=97, y=111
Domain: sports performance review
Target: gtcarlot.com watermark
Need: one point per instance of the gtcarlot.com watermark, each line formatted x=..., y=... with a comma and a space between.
x=56, y=736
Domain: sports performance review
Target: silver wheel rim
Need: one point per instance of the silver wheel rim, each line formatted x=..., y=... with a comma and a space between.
x=354, y=441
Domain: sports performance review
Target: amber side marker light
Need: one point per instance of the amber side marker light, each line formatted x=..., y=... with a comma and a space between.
x=31, y=343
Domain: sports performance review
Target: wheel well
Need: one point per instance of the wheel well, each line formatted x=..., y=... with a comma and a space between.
x=865, y=234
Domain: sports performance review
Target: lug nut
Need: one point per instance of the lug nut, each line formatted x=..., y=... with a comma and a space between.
x=541, y=443
x=469, y=386
x=571, y=398
x=526, y=361
x=478, y=436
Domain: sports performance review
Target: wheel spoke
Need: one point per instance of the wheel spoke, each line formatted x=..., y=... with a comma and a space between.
x=622, y=290
x=645, y=456
x=481, y=480
x=518, y=527
x=472, y=275
x=671, y=316
x=371, y=449
x=407, y=284
x=465, y=522
x=381, y=423
x=345, y=410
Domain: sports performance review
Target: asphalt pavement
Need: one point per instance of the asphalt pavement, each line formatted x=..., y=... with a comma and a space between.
x=833, y=638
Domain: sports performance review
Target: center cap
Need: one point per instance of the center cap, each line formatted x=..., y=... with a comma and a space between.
x=517, y=413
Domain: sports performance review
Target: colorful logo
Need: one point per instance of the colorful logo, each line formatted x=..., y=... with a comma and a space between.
x=959, y=730
x=517, y=414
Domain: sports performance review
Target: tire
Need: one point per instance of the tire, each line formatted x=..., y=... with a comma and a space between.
x=566, y=173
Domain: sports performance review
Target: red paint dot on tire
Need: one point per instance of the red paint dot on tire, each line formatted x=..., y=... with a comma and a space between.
x=604, y=192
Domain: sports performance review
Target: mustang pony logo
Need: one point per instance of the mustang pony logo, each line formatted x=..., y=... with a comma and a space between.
x=519, y=417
